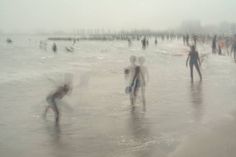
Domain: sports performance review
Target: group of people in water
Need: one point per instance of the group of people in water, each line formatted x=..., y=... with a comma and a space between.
x=220, y=43
x=137, y=76
x=54, y=48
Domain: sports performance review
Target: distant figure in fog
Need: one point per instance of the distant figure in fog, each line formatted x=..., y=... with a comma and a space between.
x=227, y=45
x=187, y=39
x=184, y=39
x=144, y=43
x=9, y=41
x=233, y=48
x=129, y=42
x=156, y=42
x=214, y=45
x=195, y=40
x=193, y=59
x=221, y=45
x=43, y=45
x=219, y=49
x=52, y=100
x=147, y=42
x=74, y=41
x=54, y=48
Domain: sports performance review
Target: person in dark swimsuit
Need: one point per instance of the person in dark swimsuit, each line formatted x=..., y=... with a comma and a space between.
x=52, y=98
x=193, y=59
x=214, y=45
x=54, y=48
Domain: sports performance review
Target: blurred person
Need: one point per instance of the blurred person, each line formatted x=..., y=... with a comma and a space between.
x=221, y=45
x=143, y=78
x=213, y=46
x=156, y=42
x=129, y=75
x=129, y=42
x=195, y=40
x=53, y=97
x=187, y=39
x=184, y=39
x=54, y=48
x=233, y=48
x=227, y=45
x=9, y=41
x=193, y=60
x=144, y=43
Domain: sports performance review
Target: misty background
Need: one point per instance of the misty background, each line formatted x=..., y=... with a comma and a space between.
x=62, y=15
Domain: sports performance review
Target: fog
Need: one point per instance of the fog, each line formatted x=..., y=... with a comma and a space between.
x=35, y=15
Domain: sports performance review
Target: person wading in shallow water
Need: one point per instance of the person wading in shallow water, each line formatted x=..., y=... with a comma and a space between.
x=143, y=80
x=193, y=59
x=233, y=48
x=136, y=74
x=129, y=75
x=52, y=100
x=54, y=48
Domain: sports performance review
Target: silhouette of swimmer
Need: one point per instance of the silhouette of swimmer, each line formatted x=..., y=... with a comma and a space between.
x=136, y=75
x=213, y=46
x=54, y=47
x=195, y=39
x=69, y=49
x=129, y=75
x=52, y=100
x=144, y=43
x=156, y=42
x=193, y=59
x=184, y=39
x=219, y=49
x=129, y=42
x=187, y=39
x=9, y=41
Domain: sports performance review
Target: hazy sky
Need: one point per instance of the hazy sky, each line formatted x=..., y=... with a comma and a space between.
x=28, y=15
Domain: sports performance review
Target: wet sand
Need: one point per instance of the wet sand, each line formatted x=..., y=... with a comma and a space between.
x=182, y=118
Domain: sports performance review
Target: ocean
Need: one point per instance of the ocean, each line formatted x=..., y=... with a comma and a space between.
x=181, y=118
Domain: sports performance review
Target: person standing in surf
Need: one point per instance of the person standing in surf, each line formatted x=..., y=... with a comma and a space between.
x=143, y=78
x=193, y=60
x=54, y=48
x=213, y=46
x=233, y=48
x=136, y=75
x=129, y=75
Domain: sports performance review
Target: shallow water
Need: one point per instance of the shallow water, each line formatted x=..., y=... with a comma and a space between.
x=98, y=120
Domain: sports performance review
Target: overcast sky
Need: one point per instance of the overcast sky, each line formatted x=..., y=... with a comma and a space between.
x=29, y=15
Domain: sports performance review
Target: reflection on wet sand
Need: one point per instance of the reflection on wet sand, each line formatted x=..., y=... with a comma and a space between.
x=55, y=133
x=197, y=100
x=57, y=146
x=140, y=133
x=215, y=140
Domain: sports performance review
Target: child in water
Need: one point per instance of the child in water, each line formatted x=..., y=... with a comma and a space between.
x=53, y=97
